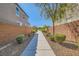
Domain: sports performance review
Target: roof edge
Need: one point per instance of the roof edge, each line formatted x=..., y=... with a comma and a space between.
x=21, y=9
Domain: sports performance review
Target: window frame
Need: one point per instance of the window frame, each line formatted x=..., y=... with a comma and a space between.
x=17, y=11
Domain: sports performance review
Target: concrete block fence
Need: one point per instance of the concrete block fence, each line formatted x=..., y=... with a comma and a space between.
x=8, y=32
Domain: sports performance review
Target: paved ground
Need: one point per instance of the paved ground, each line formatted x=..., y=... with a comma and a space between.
x=43, y=48
x=38, y=46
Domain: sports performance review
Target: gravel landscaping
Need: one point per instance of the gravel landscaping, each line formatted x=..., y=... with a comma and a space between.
x=13, y=48
x=65, y=49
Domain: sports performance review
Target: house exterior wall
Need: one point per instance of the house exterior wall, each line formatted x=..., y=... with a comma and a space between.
x=9, y=27
x=70, y=16
x=8, y=14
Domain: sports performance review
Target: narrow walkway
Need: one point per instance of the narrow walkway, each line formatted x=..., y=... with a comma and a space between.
x=38, y=46
x=43, y=48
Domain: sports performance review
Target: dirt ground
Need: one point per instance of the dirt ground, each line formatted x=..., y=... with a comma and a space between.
x=15, y=49
x=67, y=48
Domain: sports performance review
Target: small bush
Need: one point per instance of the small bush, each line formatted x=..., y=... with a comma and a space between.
x=34, y=30
x=48, y=34
x=20, y=38
x=51, y=38
x=28, y=35
x=59, y=38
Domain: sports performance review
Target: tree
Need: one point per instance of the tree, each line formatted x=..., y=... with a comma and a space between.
x=47, y=12
x=57, y=12
x=54, y=11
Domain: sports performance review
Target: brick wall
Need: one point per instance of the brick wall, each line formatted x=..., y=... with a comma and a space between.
x=9, y=32
x=64, y=29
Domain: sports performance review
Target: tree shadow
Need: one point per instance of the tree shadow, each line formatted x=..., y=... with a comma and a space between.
x=70, y=46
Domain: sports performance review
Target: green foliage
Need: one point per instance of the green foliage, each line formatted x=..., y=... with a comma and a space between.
x=34, y=29
x=51, y=38
x=59, y=38
x=43, y=28
x=48, y=34
x=55, y=11
x=20, y=38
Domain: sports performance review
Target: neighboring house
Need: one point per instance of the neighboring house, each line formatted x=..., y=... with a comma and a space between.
x=70, y=25
x=13, y=21
x=71, y=15
x=12, y=14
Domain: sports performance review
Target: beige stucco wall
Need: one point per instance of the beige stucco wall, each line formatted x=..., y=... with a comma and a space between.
x=70, y=16
x=8, y=14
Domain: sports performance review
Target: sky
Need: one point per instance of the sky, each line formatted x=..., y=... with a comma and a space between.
x=34, y=15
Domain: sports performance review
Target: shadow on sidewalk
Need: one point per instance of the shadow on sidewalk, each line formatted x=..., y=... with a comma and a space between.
x=30, y=50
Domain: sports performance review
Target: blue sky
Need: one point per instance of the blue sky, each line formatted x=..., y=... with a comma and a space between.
x=34, y=15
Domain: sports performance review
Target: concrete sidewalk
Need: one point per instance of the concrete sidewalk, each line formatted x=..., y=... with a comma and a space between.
x=43, y=48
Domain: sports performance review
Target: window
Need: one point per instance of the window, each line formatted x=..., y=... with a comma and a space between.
x=17, y=11
x=23, y=17
x=19, y=23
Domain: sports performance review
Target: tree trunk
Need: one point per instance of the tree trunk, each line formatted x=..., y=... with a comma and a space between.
x=53, y=28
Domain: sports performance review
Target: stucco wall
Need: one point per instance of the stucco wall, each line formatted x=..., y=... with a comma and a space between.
x=8, y=14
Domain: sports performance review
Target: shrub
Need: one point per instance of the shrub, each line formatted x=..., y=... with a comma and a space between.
x=20, y=38
x=29, y=35
x=51, y=38
x=59, y=38
x=34, y=30
x=48, y=34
